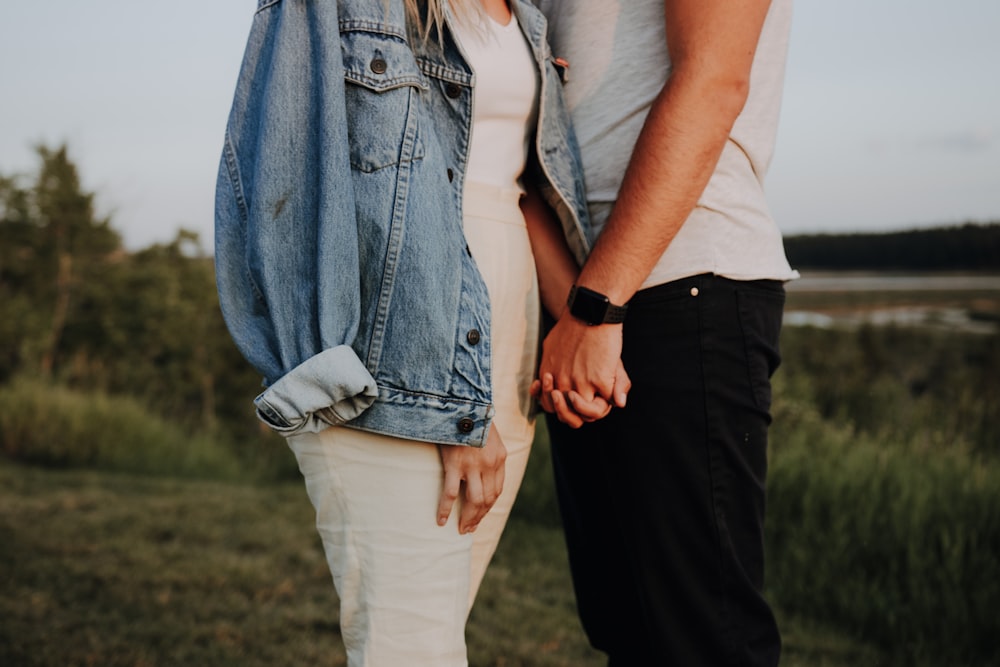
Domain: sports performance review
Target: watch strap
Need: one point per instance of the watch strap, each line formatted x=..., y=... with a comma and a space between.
x=593, y=307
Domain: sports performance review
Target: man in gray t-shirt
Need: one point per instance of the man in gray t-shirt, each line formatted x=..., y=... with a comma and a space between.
x=675, y=103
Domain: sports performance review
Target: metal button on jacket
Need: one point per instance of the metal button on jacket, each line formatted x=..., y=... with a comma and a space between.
x=473, y=337
x=465, y=425
x=378, y=65
x=452, y=90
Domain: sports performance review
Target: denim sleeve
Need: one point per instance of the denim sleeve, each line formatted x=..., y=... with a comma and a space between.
x=285, y=236
x=306, y=400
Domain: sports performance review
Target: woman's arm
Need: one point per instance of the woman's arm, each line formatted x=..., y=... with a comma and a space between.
x=556, y=268
x=278, y=172
x=557, y=272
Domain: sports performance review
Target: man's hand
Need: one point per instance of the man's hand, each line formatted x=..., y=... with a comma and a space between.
x=477, y=475
x=581, y=375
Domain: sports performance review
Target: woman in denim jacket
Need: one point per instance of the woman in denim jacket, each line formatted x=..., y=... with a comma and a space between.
x=390, y=169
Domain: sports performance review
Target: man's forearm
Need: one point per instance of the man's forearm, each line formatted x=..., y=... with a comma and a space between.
x=711, y=44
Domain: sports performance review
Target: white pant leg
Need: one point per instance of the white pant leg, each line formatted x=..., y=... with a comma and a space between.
x=406, y=584
x=498, y=240
x=401, y=578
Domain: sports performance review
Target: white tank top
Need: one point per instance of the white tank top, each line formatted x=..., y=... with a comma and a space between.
x=505, y=98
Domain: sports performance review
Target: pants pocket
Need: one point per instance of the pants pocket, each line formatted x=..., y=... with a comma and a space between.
x=761, y=304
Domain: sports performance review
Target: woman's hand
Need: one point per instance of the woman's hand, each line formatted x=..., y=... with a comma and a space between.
x=573, y=409
x=475, y=473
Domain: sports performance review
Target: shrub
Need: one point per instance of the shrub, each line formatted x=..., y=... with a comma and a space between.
x=899, y=384
x=54, y=426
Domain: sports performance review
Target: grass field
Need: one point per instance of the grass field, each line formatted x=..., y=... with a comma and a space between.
x=113, y=570
x=884, y=519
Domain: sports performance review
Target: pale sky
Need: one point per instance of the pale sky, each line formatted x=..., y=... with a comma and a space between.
x=891, y=116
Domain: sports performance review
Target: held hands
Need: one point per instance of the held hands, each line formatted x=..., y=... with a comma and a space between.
x=581, y=376
x=477, y=474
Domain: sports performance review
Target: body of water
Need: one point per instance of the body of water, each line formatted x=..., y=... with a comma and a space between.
x=935, y=310
x=873, y=282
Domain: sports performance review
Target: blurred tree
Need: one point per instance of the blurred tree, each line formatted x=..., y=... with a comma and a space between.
x=54, y=248
x=163, y=335
x=19, y=235
x=76, y=307
x=971, y=246
x=77, y=244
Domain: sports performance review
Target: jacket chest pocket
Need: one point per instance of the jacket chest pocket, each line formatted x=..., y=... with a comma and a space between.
x=382, y=86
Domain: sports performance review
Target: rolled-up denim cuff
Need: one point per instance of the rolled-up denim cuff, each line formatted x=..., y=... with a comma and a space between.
x=326, y=390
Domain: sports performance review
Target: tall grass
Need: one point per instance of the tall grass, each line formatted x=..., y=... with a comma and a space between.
x=883, y=489
x=928, y=389
x=46, y=424
x=894, y=541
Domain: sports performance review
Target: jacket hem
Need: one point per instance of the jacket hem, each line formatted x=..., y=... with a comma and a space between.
x=427, y=418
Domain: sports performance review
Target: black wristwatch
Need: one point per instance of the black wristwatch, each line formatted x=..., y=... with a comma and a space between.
x=593, y=307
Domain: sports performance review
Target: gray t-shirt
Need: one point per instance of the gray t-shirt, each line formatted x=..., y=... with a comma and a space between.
x=619, y=62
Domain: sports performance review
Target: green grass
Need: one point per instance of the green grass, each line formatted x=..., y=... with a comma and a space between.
x=895, y=544
x=883, y=527
x=52, y=425
x=113, y=570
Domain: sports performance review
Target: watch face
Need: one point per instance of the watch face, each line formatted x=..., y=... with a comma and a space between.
x=589, y=306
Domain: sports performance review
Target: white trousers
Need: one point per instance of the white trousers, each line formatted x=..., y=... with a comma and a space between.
x=406, y=585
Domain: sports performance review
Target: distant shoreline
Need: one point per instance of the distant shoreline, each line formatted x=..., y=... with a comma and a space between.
x=874, y=281
x=959, y=301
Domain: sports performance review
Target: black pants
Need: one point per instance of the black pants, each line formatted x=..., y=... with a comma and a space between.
x=663, y=501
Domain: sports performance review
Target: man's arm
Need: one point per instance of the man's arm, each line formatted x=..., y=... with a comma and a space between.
x=557, y=271
x=711, y=45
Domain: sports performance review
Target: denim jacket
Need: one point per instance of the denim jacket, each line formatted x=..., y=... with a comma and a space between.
x=342, y=268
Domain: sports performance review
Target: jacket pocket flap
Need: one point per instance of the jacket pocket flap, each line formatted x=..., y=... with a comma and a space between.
x=379, y=61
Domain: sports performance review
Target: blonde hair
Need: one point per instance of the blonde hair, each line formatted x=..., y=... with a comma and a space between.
x=432, y=19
